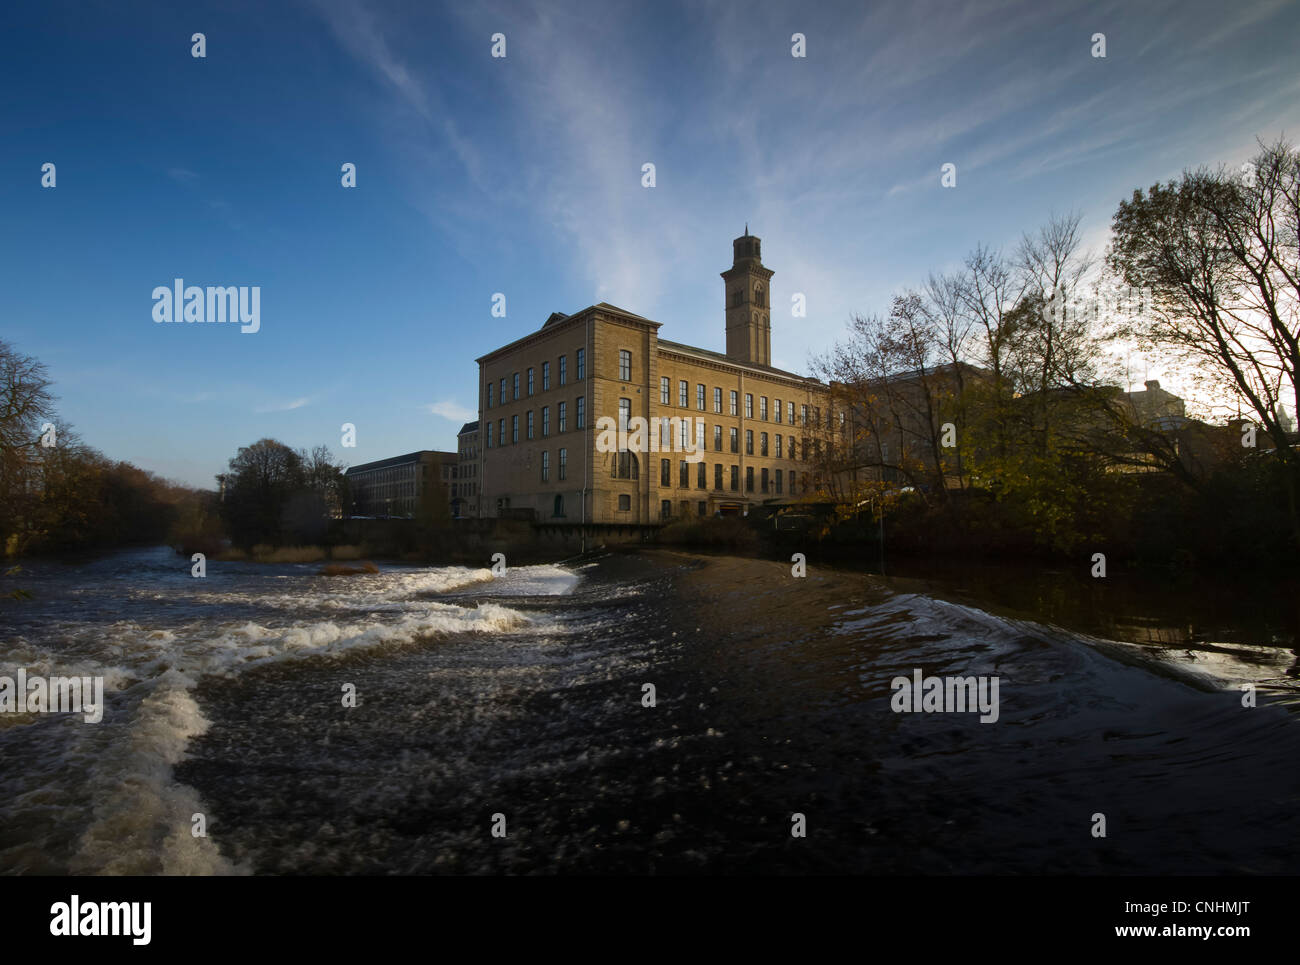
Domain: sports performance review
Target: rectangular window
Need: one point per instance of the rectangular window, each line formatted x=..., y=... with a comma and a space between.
x=717, y=475
x=501, y=396
x=717, y=438
x=580, y=416
x=686, y=434
x=515, y=395
x=803, y=448
x=791, y=482
x=717, y=400
x=562, y=417
x=778, y=445
x=665, y=433
x=749, y=479
x=683, y=389
x=665, y=472
x=624, y=413
x=664, y=390
x=530, y=380
x=564, y=463
x=624, y=365
x=546, y=376
x=489, y=435
x=701, y=476
x=489, y=395
x=702, y=508
x=762, y=407
x=624, y=502
x=700, y=444
x=735, y=439
x=803, y=415
x=666, y=509
x=684, y=474
x=735, y=398
x=546, y=466
x=530, y=423
x=501, y=432
x=514, y=428
x=749, y=442
x=777, y=410
x=582, y=364
x=762, y=444
x=789, y=412
x=776, y=478
x=564, y=369
x=749, y=405
x=763, y=481
x=546, y=422
x=699, y=397
x=735, y=479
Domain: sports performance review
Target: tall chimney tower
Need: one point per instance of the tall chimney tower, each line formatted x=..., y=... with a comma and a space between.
x=747, y=286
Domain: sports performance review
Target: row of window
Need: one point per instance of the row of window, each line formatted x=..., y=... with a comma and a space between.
x=562, y=466
x=778, y=414
x=530, y=423
x=768, y=480
x=530, y=375
x=733, y=432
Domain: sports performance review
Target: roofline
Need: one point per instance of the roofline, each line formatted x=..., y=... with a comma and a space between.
x=572, y=321
x=718, y=358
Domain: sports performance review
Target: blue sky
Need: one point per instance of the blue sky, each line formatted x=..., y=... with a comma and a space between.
x=522, y=175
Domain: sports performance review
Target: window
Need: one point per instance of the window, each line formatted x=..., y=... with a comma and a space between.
x=758, y=298
x=514, y=428
x=683, y=389
x=717, y=475
x=546, y=376
x=564, y=468
x=684, y=474
x=699, y=397
x=546, y=422
x=777, y=410
x=700, y=444
x=665, y=434
x=489, y=435
x=749, y=405
x=701, y=476
x=735, y=439
x=686, y=435
x=735, y=479
x=516, y=388
x=624, y=365
x=803, y=448
x=702, y=508
x=666, y=509
x=776, y=478
x=530, y=424
x=762, y=407
x=530, y=380
x=501, y=432
x=749, y=479
x=778, y=445
x=664, y=390
x=717, y=400
x=735, y=397
x=762, y=445
x=624, y=414
x=501, y=397
x=717, y=438
x=624, y=502
x=790, y=450
x=665, y=472
x=803, y=415
x=763, y=481
x=737, y=297
x=582, y=364
x=564, y=369
x=626, y=465
x=559, y=504
x=581, y=416
x=749, y=442
x=489, y=395
x=789, y=412
x=546, y=466
x=562, y=417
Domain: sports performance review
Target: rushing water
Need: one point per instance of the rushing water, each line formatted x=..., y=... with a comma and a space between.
x=524, y=697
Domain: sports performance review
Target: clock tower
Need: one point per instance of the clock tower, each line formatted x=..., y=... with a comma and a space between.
x=748, y=285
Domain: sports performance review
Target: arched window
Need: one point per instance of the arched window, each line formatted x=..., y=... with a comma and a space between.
x=758, y=297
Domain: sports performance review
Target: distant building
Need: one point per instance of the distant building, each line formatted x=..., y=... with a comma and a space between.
x=541, y=396
x=465, y=483
x=399, y=486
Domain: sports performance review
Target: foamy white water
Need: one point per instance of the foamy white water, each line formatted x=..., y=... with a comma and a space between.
x=102, y=798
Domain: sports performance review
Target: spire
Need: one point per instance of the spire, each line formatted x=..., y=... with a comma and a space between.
x=746, y=229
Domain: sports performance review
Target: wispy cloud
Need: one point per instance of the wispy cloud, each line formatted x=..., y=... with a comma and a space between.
x=452, y=411
x=284, y=406
x=182, y=175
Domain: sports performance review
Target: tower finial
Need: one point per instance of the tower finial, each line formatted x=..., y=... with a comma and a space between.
x=746, y=229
